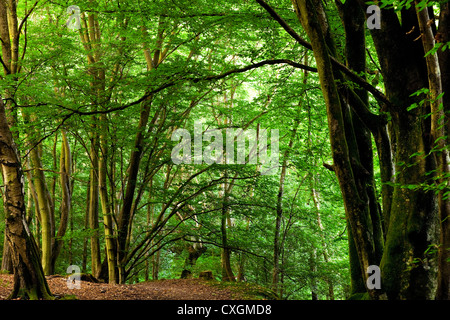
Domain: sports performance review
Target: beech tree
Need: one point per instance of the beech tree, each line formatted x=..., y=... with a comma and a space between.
x=29, y=280
x=87, y=121
x=410, y=223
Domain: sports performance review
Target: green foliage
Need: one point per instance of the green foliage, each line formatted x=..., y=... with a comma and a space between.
x=202, y=39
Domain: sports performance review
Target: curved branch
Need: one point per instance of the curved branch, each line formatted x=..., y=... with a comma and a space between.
x=174, y=82
x=342, y=67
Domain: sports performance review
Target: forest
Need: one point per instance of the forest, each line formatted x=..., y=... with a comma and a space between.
x=295, y=145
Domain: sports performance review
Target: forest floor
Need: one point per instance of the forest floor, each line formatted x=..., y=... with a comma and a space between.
x=173, y=289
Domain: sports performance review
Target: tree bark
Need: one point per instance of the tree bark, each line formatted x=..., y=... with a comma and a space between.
x=10, y=39
x=413, y=214
x=106, y=207
x=29, y=279
x=358, y=135
x=440, y=153
x=96, y=264
x=45, y=206
x=65, y=168
x=125, y=216
x=6, y=257
x=356, y=210
x=227, y=271
x=195, y=250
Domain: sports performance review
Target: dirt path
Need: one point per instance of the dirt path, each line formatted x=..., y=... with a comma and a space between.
x=176, y=289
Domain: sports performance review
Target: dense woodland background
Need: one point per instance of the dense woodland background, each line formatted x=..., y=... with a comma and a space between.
x=92, y=112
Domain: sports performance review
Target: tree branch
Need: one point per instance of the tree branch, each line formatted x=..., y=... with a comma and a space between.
x=257, y=65
x=342, y=67
x=174, y=82
x=25, y=19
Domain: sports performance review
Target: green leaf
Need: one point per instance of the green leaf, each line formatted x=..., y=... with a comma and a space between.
x=412, y=107
x=435, y=48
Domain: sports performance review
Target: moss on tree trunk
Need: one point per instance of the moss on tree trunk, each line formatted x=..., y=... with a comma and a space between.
x=29, y=279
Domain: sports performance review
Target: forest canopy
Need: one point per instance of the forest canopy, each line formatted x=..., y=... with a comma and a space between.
x=291, y=144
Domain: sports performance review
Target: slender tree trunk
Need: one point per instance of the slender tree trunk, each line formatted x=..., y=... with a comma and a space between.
x=106, y=208
x=86, y=227
x=65, y=168
x=150, y=214
x=441, y=152
x=125, y=216
x=124, y=219
x=277, y=249
x=96, y=264
x=45, y=212
x=443, y=291
x=354, y=22
x=315, y=198
x=91, y=39
x=227, y=271
x=155, y=265
x=316, y=201
x=70, y=242
x=42, y=197
x=313, y=269
x=276, y=241
x=241, y=267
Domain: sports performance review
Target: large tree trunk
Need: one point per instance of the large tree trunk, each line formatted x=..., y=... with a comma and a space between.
x=347, y=171
x=29, y=279
x=195, y=250
x=413, y=214
x=358, y=135
x=408, y=272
